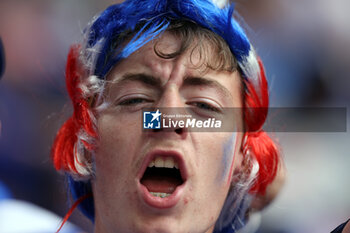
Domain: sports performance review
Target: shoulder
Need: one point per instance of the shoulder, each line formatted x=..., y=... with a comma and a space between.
x=343, y=228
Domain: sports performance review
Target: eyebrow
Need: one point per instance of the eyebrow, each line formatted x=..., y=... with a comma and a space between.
x=199, y=81
x=188, y=81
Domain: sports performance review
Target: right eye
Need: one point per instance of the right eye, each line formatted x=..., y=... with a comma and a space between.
x=205, y=106
x=134, y=101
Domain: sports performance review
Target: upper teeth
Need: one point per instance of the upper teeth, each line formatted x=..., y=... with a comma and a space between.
x=163, y=162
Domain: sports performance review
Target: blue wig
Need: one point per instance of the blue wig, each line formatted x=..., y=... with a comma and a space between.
x=108, y=29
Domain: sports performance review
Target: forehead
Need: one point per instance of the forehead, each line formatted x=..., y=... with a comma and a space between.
x=147, y=58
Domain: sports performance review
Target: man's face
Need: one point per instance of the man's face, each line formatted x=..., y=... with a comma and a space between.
x=200, y=163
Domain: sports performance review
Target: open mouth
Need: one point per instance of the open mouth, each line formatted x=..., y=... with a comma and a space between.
x=162, y=176
x=162, y=179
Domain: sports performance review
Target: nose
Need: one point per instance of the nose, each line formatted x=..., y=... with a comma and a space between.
x=177, y=130
x=171, y=98
x=174, y=133
x=171, y=104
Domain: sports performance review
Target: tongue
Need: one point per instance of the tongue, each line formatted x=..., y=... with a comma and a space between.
x=160, y=184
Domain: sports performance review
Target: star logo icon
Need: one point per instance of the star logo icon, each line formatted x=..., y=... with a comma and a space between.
x=156, y=115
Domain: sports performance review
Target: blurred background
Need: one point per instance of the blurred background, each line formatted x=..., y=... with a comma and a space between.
x=305, y=46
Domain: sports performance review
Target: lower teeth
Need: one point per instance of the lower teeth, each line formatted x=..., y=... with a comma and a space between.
x=162, y=195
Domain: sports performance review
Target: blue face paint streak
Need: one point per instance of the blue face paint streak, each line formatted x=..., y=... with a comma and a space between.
x=227, y=157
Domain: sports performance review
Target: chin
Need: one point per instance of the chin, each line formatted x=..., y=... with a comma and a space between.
x=159, y=227
x=166, y=225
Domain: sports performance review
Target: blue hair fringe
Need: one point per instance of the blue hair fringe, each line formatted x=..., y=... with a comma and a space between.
x=156, y=16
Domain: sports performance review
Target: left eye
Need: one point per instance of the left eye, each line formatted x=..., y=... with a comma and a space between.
x=205, y=106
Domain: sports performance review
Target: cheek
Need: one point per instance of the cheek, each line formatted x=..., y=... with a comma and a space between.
x=112, y=163
x=116, y=133
x=227, y=159
x=112, y=150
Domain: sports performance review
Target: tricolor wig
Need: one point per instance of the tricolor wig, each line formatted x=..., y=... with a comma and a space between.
x=119, y=31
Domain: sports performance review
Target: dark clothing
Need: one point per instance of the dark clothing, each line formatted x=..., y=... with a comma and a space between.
x=340, y=228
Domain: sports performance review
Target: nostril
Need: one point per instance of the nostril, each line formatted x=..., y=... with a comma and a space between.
x=156, y=130
x=179, y=130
